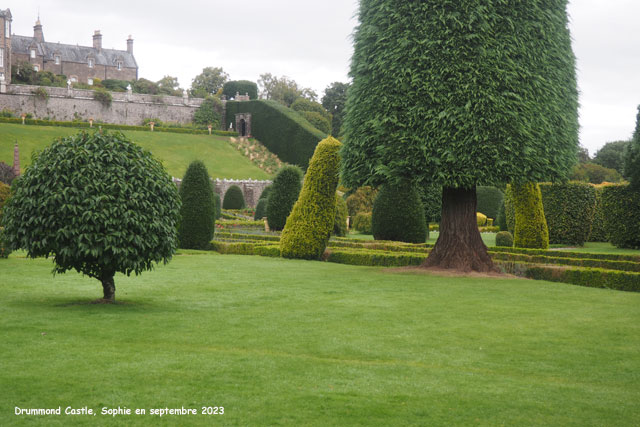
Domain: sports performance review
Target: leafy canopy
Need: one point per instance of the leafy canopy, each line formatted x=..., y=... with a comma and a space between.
x=97, y=203
x=460, y=93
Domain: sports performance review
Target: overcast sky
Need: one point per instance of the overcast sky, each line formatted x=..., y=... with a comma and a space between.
x=309, y=41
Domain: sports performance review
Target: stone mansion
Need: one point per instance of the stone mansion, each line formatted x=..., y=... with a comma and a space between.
x=79, y=63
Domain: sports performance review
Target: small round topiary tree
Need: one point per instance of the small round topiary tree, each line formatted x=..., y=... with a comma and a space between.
x=261, y=210
x=312, y=218
x=284, y=193
x=398, y=214
x=198, y=208
x=233, y=198
x=504, y=238
x=107, y=206
x=340, y=223
x=531, y=229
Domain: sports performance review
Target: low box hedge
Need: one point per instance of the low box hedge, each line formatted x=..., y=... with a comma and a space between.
x=580, y=262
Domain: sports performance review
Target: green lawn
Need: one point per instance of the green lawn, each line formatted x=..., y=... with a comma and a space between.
x=308, y=343
x=175, y=150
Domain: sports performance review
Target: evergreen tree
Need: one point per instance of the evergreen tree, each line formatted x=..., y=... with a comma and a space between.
x=198, y=208
x=284, y=193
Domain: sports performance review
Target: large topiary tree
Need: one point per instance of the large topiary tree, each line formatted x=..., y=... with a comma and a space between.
x=531, y=229
x=233, y=198
x=198, y=212
x=312, y=218
x=284, y=193
x=459, y=94
x=398, y=214
x=98, y=204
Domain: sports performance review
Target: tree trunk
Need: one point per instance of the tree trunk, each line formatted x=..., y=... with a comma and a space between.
x=459, y=245
x=109, y=287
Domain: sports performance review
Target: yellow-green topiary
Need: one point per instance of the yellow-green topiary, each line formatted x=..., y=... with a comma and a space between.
x=311, y=221
x=481, y=219
x=531, y=226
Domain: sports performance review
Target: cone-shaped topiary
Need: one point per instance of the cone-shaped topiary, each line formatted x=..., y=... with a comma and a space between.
x=261, y=210
x=284, y=193
x=198, y=208
x=309, y=226
x=218, y=202
x=632, y=158
x=398, y=214
x=342, y=212
x=265, y=193
x=233, y=198
x=531, y=225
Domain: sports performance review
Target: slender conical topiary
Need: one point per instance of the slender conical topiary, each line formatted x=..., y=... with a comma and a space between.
x=261, y=210
x=284, y=193
x=342, y=212
x=311, y=221
x=632, y=158
x=265, y=193
x=198, y=208
x=233, y=198
x=531, y=225
x=398, y=214
x=218, y=202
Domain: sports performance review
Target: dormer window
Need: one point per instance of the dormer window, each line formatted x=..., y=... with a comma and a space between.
x=57, y=59
x=32, y=53
x=90, y=62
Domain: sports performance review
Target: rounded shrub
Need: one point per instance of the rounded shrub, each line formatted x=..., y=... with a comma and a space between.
x=489, y=200
x=398, y=214
x=504, y=238
x=362, y=223
x=621, y=208
x=284, y=193
x=568, y=209
x=531, y=225
x=481, y=219
x=261, y=210
x=312, y=218
x=233, y=198
x=340, y=223
x=198, y=210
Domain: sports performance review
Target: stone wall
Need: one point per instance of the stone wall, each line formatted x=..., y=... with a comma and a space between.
x=251, y=189
x=78, y=104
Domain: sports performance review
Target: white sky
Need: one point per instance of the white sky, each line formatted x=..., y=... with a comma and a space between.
x=309, y=41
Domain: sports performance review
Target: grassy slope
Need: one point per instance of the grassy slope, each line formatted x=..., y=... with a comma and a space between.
x=175, y=151
x=310, y=343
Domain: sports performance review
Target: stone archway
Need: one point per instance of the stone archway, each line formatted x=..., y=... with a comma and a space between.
x=243, y=124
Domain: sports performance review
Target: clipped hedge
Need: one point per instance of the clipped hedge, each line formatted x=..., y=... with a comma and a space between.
x=284, y=193
x=531, y=226
x=340, y=222
x=312, y=218
x=489, y=200
x=621, y=208
x=362, y=223
x=241, y=87
x=233, y=198
x=198, y=210
x=568, y=209
x=598, y=229
x=283, y=131
x=398, y=214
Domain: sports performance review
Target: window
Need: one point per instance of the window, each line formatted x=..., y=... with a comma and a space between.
x=1, y=57
x=90, y=82
x=57, y=58
x=7, y=29
x=32, y=54
x=36, y=68
x=1, y=76
x=119, y=65
x=74, y=79
x=90, y=62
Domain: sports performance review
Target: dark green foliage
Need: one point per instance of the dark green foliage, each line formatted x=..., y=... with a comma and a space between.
x=261, y=210
x=115, y=85
x=242, y=87
x=103, y=96
x=340, y=223
x=509, y=210
x=398, y=215
x=531, y=226
x=312, y=218
x=334, y=99
x=361, y=200
x=621, y=207
x=489, y=200
x=611, y=155
x=431, y=196
x=504, y=238
x=283, y=131
x=632, y=158
x=198, y=212
x=318, y=121
x=98, y=204
x=460, y=93
x=265, y=193
x=501, y=221
x=233, y=198
x=590, y=277
x=5, y=192
x=5, y=248
x=362, y=222
x=568, y=209
x=595, y=174
x=145, y=86
x=209, y=112
x=218, y=202
x=598, y=229
x=284, y=193
x=6, y=173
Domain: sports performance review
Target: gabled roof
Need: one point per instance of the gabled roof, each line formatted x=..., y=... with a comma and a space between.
x=71, y=53
x=5, y=13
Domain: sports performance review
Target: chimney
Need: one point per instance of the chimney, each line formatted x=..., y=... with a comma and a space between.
x=130, y=45
x=97, y=40
x=37, y=32
x=16, y=160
